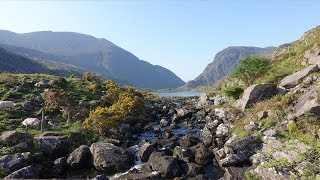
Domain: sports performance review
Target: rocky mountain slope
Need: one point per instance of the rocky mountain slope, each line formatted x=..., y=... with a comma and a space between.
x=96, y=55
x=16, y=63
x=224, y=63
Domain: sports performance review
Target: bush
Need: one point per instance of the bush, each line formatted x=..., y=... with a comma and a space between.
x=233, y=91
x=90, y=76
x=292, y=128
x=251, y=68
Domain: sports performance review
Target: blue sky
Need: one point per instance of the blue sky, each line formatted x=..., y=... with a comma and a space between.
x=182, y=36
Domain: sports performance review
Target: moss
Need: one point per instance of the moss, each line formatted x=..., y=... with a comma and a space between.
x=251, y=176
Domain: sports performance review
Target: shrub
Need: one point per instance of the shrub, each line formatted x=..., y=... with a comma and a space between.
x=251, y=68
x=90, y=76
x=93, y=88
x=233, y=91
x=292, y=128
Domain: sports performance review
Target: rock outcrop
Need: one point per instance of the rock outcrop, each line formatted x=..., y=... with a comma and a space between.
x=256, y=93
x=296, y=78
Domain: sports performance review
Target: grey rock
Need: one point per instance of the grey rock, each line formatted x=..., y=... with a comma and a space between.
x=257, y=159
x=183, y=154
x=296, y=78
x=10, y=163
x=192, y=169
x=230, y=160
x=308, y=103
x=145, y=151
x=28, y=172
x=80, y=158
x=222, y=130
x=269, y=133
x=13, y=137
x=262, y=115
x=251, y=126
x=256, y=93
x=111, y=158
x=167, y=165
x=100, y=177
x=59, y=165
x=53, y=145
x=203, y=155
x=204, y=101
x=164, y=122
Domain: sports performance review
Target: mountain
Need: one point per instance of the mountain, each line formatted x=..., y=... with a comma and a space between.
x=225, y=62
x=93, y=54
x=16, y=63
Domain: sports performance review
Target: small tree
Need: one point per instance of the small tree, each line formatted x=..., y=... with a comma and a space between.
x=90, y=76
x=233, y=91
x=58, y=99
x=251, y=68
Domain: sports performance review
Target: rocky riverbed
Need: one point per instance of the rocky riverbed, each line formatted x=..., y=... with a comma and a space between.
x=182, y=138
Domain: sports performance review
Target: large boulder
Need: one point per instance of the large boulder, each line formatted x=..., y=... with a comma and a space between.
x=313, y=55
x=167, y=165
x=28, y=172
x=13, y=137
x=296, y=78
x=308, y=103
x=80, y=158
x=10, y=163
x=256, y=93
x=145, y=151
x=53, y=145
x=183, y=154
x=203, y=102
x=110, y=158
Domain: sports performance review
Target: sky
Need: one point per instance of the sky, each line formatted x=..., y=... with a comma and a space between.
x=182, y=36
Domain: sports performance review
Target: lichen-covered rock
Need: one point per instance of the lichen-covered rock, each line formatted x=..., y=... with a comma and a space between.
x=203, y=155
x=167, y=165
x=10, y=163
x=145, y=151
x=230, y=160
x=80, y=158
x=313, y=55
x=110, y=158
x=308, y=103
x=14, y=137
x=28, y=172
x=256, y=93
x=296, y=78
x=53, y=145
x=183, y=154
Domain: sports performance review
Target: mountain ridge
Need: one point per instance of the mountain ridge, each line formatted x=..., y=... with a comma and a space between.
x=97, y=55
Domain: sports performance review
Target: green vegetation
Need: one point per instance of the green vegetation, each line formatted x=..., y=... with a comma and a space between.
x=233, y=91
x=251, y=68
x=251, y=176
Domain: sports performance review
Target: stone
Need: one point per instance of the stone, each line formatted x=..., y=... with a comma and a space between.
x=206, y=136
x=257, y=159
x=269, y=133
x=13, y=137
x=203, y=155
x=145, y=151
x=28, y=172
x=308, y=103
x=53, y=144
x=222, y=130
x=192, y=169
x=256, y=93
x=59, y=165
x=234, y=173
x=164, y=122
x=307, y=81
x=251, y=126
x=313, y=55
x=10, y=163
x=167, y=165
x=189, y=140
x=108, y=157
x=183, y=154
x=100, y=177
x=230, y=160
x=80, y=158
x=262, y=115
x=203, y=102
x=296, y=78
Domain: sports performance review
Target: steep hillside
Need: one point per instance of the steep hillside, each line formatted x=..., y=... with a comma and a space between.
x=224, y=63
x=97, y=55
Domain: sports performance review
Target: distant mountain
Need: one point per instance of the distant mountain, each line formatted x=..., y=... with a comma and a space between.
x=96, y=55
x=16, y=63
x=225, y=62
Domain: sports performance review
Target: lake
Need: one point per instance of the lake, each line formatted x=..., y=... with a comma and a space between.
x=179, y=94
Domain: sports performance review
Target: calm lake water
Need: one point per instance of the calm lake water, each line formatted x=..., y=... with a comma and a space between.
x=179, y=94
